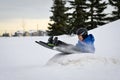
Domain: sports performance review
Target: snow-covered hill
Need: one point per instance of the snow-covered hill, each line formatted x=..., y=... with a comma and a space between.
x=107, y=39
x=22, y=59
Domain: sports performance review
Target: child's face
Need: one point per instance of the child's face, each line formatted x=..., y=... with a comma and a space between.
x=80, y=37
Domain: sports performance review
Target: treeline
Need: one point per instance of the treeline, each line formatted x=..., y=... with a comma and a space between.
x=69, y=15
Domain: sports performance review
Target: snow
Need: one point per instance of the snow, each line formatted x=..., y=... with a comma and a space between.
x=22, y=59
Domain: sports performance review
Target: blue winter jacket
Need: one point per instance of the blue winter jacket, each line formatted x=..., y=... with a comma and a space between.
x=87, y=45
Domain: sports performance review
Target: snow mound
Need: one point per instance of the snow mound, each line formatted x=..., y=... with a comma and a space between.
x=80, y=59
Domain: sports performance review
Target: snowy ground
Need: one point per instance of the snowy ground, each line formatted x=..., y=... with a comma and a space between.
x=22, y=59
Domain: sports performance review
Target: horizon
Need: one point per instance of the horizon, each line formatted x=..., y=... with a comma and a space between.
x=30, y=13
x=11, y=26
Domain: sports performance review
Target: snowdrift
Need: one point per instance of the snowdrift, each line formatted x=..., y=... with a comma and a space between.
x=78, y=59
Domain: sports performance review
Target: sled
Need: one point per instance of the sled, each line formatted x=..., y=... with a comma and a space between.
x=69, y=49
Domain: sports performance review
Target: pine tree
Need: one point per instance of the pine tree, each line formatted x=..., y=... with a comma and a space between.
x=96, y=15
x=79, y=15
x=116, y=12
x=59, y=18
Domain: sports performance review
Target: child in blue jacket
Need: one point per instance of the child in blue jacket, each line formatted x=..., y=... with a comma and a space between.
x=85, y=42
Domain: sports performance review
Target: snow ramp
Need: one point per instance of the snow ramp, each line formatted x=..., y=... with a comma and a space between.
x=81, y=59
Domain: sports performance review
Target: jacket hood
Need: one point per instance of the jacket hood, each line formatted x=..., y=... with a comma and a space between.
x=90, y=39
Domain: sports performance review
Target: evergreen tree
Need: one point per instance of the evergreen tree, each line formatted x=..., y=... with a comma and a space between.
x=79, y=15
x=59, y=18
x=96, y=15
x=116, y=12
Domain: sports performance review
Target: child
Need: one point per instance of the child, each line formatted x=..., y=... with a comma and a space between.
x=85, y=42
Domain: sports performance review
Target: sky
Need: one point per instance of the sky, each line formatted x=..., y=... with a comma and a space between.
x=30, y=13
